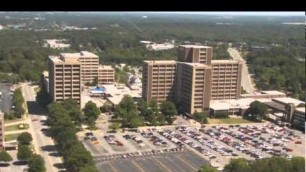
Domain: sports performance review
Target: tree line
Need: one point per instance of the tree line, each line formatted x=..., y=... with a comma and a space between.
x=62, y=119
x=132, y=114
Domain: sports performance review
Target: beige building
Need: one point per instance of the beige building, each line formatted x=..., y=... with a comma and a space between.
x=226, y=79
x=1, y=130
x=193, y=81
x=159, y=78
x=89, y=62
x=195, y=54
x=64, y=78
x=106, y=74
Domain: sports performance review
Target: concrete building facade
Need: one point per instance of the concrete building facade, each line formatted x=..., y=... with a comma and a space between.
x=226, y=79
x=89, y=63
x=192, y=81
x=106, y=74
x=64, y=78
x=159, y=80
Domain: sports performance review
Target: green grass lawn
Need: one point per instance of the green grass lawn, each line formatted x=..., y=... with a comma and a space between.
x=9, y=137
x=16, y=127
x=228, y=121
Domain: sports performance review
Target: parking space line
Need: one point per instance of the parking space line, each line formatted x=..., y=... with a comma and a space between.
x=161, y=164
x=137, y=166
x=187, y=163
x=112, y=167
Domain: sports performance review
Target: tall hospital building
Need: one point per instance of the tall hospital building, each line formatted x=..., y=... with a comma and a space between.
x=70, y=71
x=193, y=80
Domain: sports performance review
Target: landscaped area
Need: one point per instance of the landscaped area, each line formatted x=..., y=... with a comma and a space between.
x=10, y=137
x=228, y=121
x=16, y=127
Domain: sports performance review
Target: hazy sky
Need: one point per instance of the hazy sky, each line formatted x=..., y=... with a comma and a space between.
x=261, y=13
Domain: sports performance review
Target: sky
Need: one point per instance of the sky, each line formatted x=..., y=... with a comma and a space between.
x=255, y=13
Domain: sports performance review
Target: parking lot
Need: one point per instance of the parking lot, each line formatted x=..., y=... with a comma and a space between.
x=214, y=144
x=181, y=161
x=6, y=97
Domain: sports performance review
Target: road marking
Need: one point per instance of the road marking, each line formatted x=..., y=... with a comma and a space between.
x=138, y=166
x=112, y=167
x=187, y=163
x=161, y=164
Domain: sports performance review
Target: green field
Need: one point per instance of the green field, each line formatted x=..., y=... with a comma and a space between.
x=16, y=127
x=10, y=137
x=228, y=121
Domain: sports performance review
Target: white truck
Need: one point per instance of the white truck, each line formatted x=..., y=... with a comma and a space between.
x=1, y=94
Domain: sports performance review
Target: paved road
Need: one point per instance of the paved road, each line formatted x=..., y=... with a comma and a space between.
x=43, y=144
x=246, y=81
x=6, y=99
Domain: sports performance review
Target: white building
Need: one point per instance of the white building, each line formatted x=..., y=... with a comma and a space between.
x=56, y=43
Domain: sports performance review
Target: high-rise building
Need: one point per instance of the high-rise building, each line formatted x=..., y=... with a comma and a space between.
x=64, y=78
x=159, y=78
x=193, y=81
x=226, y=79
x=195, y=54
x=89, y=62
x=1, y=130
x=106, y=74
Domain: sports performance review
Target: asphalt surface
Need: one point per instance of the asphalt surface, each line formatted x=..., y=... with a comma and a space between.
x=44, y=145
x=246, y=81
x=6, y=99
x=169, y=162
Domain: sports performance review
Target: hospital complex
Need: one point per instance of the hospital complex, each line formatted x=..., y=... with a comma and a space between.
x=195, y=83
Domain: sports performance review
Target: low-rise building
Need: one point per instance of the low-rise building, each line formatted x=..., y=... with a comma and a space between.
x=264, y=94
x=56, y=43
x=106, y=74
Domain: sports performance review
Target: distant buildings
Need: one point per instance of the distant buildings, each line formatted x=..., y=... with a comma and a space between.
x=157, y=47
x=192, y=81
x=56, y=43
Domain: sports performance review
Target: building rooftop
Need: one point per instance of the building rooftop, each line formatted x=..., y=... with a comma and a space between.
x=231, y=104
x=224, y=61
x=105, y=67
x=300, y=109
x=46, y=74
x=78, y=55
x=287, y=100
x=118, y=94
x=160, y=61
x=194, y=46
x=57, y=59
x=273, y=92
x=196, y=64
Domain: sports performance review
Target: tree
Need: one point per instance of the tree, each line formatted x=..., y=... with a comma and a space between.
x=107, y=106
x=207, y=168
x=42, y=97
x=237, y=165
x=257, y=109
x=168, y=109
x=24, y=153
x=36, y=164
x=91, y=112
x=200, y=117
x=297, y=164
x=24, y=138
x=95, y=81
x=5, y=157
x=114, y=126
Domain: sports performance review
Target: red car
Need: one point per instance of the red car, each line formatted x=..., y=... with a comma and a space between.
x=35, y=119
x=298, y=142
